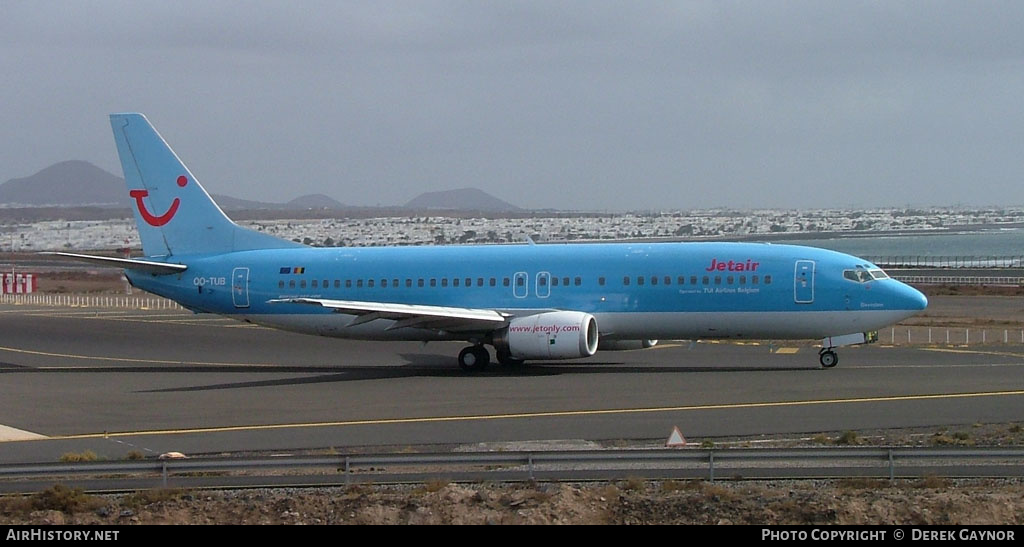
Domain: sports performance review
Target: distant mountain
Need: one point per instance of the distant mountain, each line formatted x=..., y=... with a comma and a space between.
x=314, y=201
x=463, y=199
x=229, y=203
x=66, y=184
x=80, y=184
x=301, y=203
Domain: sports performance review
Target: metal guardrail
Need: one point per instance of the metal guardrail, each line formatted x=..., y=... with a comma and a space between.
x=706, y=464
x=960, y=280
x=947, y=261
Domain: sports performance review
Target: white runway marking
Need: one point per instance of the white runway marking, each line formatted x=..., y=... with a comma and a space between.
x=12, y=434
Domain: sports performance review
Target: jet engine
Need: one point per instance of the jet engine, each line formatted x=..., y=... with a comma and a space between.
x=551, y=335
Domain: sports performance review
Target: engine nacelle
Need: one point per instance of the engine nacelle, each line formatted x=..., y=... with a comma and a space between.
x=551, y=335
x=624, y=345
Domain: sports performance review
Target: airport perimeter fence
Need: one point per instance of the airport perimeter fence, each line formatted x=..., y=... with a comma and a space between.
x=897, y=335
x=947, y=261
x=950, y=336
x=666, y=463
x=143, y=302
x=960, y=280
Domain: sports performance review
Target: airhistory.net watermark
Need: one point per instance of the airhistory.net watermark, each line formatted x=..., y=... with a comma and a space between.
x=50, y=534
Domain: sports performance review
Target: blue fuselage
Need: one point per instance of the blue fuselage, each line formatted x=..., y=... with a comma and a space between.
x=641, y=290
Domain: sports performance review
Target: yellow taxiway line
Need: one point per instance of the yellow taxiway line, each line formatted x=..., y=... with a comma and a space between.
x=976, y=352
x=551, y=414
x=127, y=360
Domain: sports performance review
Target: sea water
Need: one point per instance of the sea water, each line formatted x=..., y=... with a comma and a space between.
x=980, y=243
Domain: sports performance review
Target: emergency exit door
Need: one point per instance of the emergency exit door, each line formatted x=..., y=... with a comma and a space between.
x=240, y=287
x=803, y=282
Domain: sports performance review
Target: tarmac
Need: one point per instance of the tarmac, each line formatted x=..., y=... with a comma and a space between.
x=117, y=381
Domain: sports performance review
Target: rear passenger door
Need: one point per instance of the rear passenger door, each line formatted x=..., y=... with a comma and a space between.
x=521, y=285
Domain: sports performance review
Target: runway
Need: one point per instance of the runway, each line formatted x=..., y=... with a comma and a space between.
x=116, y=381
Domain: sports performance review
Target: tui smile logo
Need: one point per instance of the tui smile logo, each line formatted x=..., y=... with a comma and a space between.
x=150, y=218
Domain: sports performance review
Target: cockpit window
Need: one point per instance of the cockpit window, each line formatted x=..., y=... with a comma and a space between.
x=879, y=274
x=860, y=276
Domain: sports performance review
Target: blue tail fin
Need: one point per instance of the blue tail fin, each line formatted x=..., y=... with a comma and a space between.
x=173, y=212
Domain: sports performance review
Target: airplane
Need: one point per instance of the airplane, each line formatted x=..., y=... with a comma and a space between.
x=529, y=302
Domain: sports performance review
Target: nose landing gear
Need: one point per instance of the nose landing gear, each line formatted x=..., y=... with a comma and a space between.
x=828, y=358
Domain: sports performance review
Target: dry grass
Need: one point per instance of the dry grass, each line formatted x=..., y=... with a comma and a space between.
x=15, y=505
x=821, y=438
x=848, y=438
x=717, y=493
x=677, y=486
x=66, y=500
x=959, y=438
x=78, y=457
x=634, y=484
x=609, y=492
x=862, y=483
x=933, y=483
x=434, y=485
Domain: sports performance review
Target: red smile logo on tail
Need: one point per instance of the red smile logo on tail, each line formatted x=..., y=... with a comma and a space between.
x=150, y=218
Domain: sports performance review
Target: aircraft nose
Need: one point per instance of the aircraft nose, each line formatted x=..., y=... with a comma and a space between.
x=912, y=299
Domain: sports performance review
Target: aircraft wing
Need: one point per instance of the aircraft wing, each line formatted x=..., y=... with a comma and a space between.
x=409, y=315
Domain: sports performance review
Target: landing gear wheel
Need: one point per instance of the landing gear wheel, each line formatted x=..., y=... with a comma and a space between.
x=828, y=358
x=474, y=358
x=507, y=360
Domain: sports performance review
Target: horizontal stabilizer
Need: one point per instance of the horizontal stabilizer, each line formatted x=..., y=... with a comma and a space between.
x=127, y=263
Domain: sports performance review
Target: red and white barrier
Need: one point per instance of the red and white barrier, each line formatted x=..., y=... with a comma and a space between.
x=17, y=283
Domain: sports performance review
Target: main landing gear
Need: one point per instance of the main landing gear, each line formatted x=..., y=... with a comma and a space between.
x=505, y=358
x=828, y=358
x=476, y=358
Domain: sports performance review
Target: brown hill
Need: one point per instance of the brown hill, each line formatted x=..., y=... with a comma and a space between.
x=66, y=184
x=463, y=199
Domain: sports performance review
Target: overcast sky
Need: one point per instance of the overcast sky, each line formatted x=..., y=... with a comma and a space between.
x=572, y=105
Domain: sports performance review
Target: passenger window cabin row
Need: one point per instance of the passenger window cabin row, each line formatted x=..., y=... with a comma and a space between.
x=520, y=280
x=701, y=280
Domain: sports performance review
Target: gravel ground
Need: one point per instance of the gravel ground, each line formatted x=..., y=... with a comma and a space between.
x=852, y=501
x=931, y=500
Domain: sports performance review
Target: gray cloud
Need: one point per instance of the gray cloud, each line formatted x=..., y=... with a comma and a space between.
x=587, y=105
